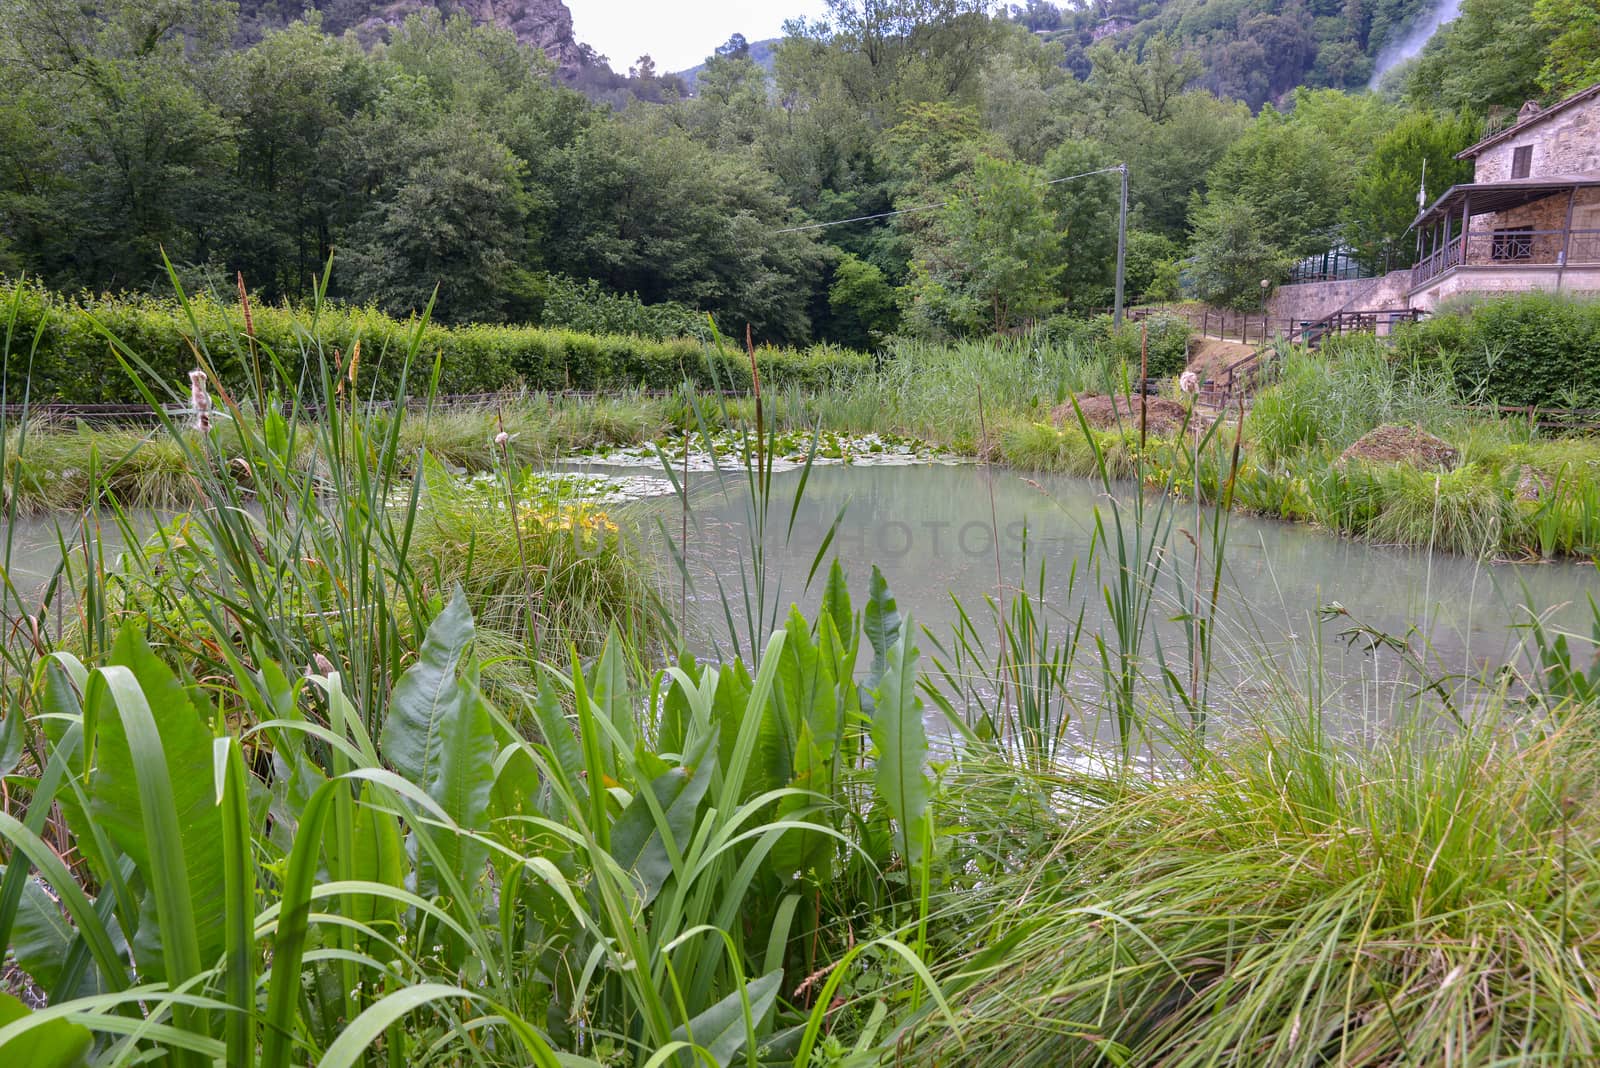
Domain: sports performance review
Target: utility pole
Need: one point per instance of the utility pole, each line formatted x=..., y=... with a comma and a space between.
x=1122, y=245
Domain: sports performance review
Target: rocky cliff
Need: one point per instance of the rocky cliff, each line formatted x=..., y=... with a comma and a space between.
x=543, y=24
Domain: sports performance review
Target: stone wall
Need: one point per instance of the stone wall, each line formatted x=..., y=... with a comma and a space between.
x=1566, y=144
x=1547, y=214
x=1310, y=301
x=1508, y=278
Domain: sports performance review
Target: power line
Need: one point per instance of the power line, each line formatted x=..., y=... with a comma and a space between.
x=928, y=207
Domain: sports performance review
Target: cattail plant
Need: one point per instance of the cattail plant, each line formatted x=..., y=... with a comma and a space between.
x=199, y=401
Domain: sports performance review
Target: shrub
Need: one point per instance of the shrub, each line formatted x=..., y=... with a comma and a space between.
x=1168, y=338
x=1529, y=349
x=590, y=307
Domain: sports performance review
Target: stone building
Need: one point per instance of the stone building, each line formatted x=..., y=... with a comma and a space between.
x=1529, y=220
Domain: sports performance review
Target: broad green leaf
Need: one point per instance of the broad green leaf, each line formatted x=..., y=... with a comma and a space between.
x=233, y=798
x=379, y=856
x=807, y=852
x=130, y=786
x=728, y=708
x=55, y=1043
x=11, y=731
x=673, y=730
x=807, y=689
x=278, y=1027
x=440, y=737
x=559, y=738
x=721, y=1030
x=639, y=841
x=901, y=739
x=608, y=688
x=882, y=625
x=836, y=600
x=60, y=695
x=41, y=938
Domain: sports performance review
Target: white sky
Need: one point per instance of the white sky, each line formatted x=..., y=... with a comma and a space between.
x=677, y=35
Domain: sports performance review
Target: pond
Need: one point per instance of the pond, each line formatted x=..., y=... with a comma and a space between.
x=932, y=530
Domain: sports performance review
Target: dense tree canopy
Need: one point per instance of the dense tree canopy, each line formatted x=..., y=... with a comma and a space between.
x=448, y=159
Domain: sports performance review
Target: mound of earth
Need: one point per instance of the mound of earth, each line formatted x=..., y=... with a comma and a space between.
x=1401, y=445
x=1162, y=416
x=1209, y=357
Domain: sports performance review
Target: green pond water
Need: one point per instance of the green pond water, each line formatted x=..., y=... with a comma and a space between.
x=931, y=530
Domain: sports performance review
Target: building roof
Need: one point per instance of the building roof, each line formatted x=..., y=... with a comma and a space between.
x=1481, y=197
x=1532, y=120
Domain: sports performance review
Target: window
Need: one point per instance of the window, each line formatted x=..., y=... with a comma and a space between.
x=1514, y=243
x=1521, y=161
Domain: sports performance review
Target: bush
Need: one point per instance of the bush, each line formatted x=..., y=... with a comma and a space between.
x=74, y=363
x=589, y=307
x=1530, y=349
x=1168, y=341
x=1168, y=337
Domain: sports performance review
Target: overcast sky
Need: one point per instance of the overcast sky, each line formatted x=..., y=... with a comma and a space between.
x=677, y=35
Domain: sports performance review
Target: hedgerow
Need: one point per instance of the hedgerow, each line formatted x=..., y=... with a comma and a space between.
x=73, y=360
x=1530, y=349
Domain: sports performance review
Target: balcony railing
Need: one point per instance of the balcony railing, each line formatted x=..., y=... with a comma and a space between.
x=1509, y=247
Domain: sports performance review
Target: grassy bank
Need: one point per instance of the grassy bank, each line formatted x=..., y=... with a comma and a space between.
x=1514, y=491
x=1284, y=902
x=464, y=804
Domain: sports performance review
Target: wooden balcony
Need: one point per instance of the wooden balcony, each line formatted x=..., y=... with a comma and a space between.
x=1510, y=248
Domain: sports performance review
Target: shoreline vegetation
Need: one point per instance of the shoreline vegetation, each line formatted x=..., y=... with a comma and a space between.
x=1508, y=490
x=354, y=767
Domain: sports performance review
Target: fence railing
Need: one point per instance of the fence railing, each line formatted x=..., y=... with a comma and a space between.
x=1510, y=247
x=1224, y=324
x=1249, y=328
x=1561, y=420
x=1379, y=321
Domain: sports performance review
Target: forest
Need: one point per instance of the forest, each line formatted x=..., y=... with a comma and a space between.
x=241, y=140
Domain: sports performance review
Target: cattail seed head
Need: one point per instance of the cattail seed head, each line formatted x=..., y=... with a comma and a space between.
x=244, y=302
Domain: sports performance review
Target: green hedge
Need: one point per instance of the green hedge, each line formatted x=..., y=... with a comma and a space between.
x=73, y=361
x=1533, y=349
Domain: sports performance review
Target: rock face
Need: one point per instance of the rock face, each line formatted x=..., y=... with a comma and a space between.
x=542, y=24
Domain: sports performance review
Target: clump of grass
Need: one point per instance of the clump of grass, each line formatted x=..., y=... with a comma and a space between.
x=1288, y=903
x=559, y=574
x=1466, y=510
x=1042, y=447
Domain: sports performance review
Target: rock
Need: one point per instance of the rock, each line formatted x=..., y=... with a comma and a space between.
x=1532, y=483
x=542, y=24
x=1402, y=445
x=1162, y=416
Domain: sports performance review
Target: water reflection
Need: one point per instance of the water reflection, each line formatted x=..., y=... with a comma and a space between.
x=935, y=535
